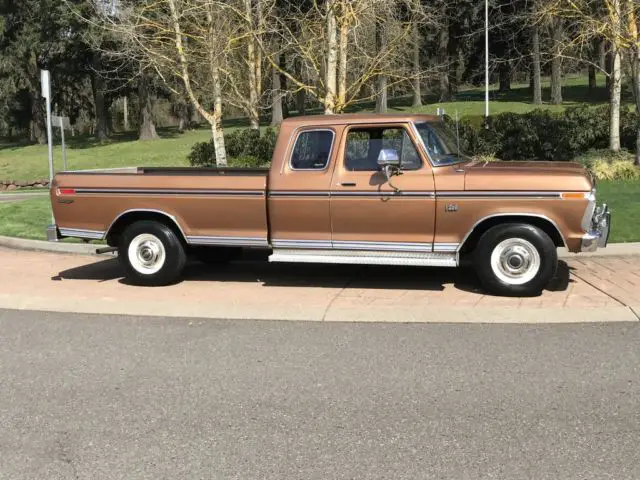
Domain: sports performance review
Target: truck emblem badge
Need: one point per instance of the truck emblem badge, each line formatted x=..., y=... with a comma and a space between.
x=451, y=207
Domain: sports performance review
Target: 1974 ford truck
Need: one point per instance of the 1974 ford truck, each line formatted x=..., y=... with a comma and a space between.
x=355, y=189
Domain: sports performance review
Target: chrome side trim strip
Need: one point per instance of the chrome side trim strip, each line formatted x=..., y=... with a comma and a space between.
x=383, y=246
x=81, y=233
x=427, y=194
x=171, y=191
x=352, y=245
x=299, y=193
x=445, y=247
x=382, y=194
x=366, y=258
x=301, y=244
x=499, y=194
x=231, y=241
x=535, y=215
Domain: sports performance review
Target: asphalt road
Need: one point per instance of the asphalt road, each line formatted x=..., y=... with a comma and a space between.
x=99, y=397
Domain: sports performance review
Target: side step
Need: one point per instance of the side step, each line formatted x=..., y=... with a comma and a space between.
x=358, y=257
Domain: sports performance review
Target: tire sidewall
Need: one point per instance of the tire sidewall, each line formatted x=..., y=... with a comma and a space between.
x=174, y=254
x=534, y=235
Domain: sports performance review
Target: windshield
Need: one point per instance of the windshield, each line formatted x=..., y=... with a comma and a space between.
x=440, y=143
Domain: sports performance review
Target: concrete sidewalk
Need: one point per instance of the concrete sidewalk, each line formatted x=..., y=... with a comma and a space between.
x=585, y=290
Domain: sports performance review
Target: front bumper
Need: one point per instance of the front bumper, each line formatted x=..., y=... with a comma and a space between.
x=598, y=235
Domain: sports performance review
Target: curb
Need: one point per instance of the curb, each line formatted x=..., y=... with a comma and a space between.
x=613, y=249
x=43, y=246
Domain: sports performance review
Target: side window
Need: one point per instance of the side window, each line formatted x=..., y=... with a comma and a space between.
x=312, y=150
x=364, y=144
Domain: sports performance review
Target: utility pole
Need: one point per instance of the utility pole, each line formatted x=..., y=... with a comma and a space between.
x=486, y=60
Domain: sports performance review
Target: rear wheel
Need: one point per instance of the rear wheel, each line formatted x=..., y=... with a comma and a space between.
x=515, y=260
x=151, y=253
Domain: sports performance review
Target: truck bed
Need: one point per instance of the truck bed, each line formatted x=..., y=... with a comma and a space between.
x=210, y=206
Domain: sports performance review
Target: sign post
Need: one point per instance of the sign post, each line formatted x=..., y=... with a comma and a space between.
x=46, y=93
x=63, y=123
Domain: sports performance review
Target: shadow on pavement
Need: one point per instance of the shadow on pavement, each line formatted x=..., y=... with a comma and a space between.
x=257, y=270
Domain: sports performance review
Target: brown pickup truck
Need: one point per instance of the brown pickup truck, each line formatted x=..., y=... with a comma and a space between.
x=355, y=189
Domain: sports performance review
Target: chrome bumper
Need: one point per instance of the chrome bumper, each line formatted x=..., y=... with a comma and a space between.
x=53, y=234
x=598, y=235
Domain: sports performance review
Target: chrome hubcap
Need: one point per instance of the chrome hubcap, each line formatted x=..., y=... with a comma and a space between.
x=146, y=253
x=515, y=261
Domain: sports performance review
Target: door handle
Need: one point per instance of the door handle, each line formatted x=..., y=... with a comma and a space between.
x=348, y=184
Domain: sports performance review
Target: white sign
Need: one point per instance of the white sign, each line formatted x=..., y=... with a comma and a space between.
x=62, y=122
x=46, y=83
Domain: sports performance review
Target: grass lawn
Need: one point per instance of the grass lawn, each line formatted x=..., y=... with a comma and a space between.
x=29, y=162
x=29, y=218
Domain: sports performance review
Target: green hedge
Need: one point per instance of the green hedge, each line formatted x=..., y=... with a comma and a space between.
x=245, y=148
x=537, y=135
x=544, y=135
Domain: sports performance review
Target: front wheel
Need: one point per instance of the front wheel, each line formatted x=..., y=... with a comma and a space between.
x=515, y=260
x=151, y=254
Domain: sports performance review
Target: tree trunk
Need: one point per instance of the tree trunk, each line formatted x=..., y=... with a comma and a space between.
x=381, y=80
x=593, y=84
x=301, y=95
x=602, y=54
x=535, y=60
x=556, y=62
x=608, y=66
x=443, y=62
x=632, y=29
x=98, y=87
x=147, y=127
x=332, y=59
x=342, y=65
x=616, y=88
x=252, y=66
x=125, y=112
x=415, y=58
x=276, y=106
x=283, y=85
x=505, y=76
x=216, y=120
x=38, y=124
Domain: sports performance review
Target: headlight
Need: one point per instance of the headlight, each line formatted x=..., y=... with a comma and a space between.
x=588, y=213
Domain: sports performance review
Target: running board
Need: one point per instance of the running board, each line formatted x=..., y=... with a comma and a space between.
x=358, y=257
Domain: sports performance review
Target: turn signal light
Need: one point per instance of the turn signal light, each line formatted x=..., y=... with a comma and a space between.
x=66, y=191
x=574, y=195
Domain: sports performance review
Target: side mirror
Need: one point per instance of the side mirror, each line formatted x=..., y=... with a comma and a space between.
x=389, y=162
x=388, y=157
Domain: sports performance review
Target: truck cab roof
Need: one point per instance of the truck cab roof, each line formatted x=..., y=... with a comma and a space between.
x=364, y=118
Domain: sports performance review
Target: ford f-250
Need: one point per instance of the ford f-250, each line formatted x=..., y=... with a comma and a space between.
x=355, y=189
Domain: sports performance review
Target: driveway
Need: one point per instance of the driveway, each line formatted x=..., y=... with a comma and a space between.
x=585, y=290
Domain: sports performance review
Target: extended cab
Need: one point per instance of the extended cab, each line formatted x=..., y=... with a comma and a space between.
x=357, y=189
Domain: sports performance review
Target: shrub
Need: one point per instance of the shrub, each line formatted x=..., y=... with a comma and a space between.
x=247, y=162
x=246, y=148
x=203, y=154
x=544, y=135
x=616, y=170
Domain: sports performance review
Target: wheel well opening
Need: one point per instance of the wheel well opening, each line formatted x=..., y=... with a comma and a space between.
x=131, y=217
x=543, y=224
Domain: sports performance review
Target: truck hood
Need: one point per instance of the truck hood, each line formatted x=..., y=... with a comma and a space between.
x=533, y=176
